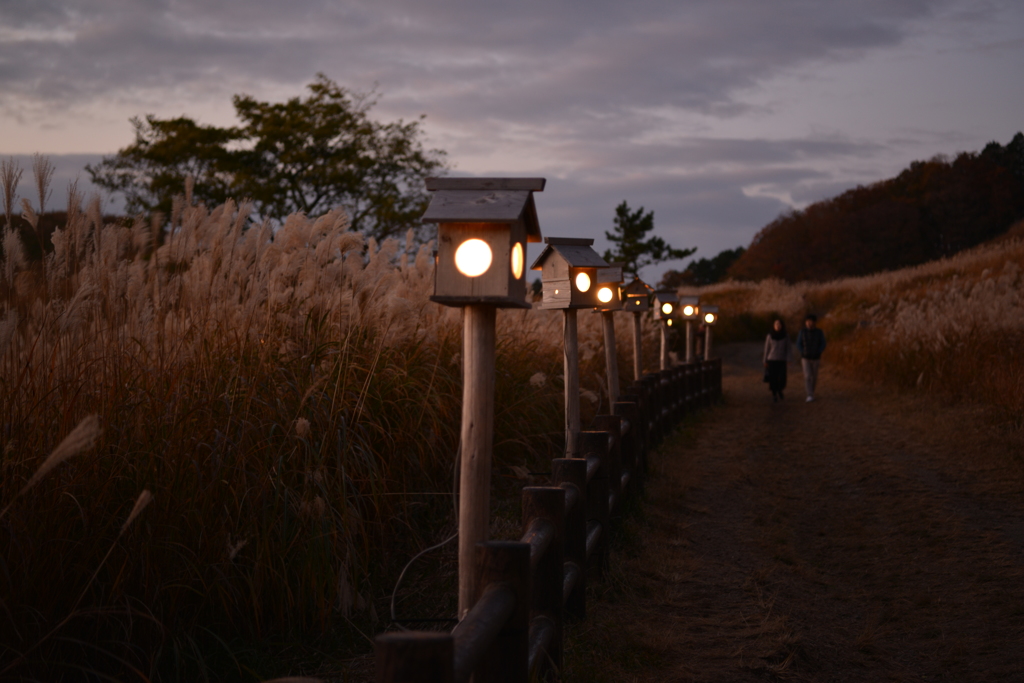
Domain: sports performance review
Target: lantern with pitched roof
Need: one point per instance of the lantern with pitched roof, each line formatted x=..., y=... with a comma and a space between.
x=636, y=299
x=636, y=296
x=610, y=300
x=609, y=294
x=689, y=307
x=665, y=303
x=569, y=273
x=483, y=227
x=709, y=315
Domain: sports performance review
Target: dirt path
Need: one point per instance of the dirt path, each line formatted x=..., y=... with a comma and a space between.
x=863, y=537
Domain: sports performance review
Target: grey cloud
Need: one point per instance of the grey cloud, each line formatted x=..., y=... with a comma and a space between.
x=541, y=59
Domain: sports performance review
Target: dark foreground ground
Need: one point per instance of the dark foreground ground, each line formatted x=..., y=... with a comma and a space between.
x=864, y=537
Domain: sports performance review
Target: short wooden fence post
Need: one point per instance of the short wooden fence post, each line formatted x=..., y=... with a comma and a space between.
x=414, y=657
x=544, y=512
x=653, y=407
x=679, y=393
x=691, y=390
x=507, y=660
x=627, y=408
x=594, y=445
x=613, y=425
x=571, y=475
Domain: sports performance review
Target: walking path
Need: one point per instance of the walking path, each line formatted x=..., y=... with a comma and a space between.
x=863, y=537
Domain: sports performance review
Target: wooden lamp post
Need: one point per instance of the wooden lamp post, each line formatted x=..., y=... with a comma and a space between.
x=610, y=300
x=665, y=304
x=569, y=270
x=483, y=227
x=709, y=314
x=689, y=309
x=636, y=300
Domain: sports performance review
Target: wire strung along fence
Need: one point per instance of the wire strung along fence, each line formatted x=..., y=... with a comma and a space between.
x=525, y=589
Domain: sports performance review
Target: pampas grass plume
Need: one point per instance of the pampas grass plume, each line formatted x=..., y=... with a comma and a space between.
x=80, y=439
x=144, y=499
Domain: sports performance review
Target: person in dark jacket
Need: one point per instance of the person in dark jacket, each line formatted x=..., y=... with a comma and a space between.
x=776, y=359
x=811, y=344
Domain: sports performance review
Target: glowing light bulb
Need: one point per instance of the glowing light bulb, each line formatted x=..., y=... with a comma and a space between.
x=669, y=322
x=604, y=295
x=517, y=261
x=688, y=310
x=709, y=317
x=666, y=309
x=473, y=258
x=582, y=282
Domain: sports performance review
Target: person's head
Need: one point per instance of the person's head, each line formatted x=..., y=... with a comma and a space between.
x=779, y=325
x=810, y=321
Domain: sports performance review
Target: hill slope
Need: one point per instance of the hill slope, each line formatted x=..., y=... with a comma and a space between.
x=931, y=210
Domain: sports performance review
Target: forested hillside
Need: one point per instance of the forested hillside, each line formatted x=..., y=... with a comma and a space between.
x=932, y=209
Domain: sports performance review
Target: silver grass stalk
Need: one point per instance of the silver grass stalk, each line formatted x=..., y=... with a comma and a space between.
x=80, y=439
x=141, y=502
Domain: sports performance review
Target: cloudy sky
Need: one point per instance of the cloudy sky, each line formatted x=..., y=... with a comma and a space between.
x=717, y=115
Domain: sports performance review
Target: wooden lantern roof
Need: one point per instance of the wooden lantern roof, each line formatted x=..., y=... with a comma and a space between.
x=574, y=251
x=611, y=273
x=485, y=200
x=636, y=288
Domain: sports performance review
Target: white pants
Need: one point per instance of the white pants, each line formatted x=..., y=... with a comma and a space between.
x=810, y=368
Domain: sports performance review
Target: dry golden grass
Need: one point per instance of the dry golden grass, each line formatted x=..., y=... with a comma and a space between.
x=292, y=401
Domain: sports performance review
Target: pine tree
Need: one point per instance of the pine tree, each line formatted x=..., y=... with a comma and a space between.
x=631, y=249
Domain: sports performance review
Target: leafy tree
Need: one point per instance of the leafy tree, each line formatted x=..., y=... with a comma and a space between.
x=308, y=154
x=631, y=227
x=152, y=170
x=700, y=272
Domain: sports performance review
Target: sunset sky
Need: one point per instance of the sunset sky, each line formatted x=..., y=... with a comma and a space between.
x=717, y=115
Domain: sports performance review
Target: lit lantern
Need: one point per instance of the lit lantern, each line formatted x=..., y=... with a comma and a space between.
x=709, y=314
x=665, y=305
x=483, y=227
x=636, y=296
x=689, y=307
x=608, y=280
x=571, y=273
x=636, y=299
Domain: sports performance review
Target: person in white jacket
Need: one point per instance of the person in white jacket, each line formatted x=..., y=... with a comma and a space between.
x=776, y=359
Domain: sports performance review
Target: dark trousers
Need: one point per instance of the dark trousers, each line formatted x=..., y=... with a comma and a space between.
x=776, y=376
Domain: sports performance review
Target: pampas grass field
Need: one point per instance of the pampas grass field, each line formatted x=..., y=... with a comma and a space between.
x=286, y=402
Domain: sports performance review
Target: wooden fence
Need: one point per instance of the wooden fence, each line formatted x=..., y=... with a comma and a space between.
x=526, y=588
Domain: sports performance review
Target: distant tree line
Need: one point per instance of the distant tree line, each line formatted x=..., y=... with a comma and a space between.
x=930, y=210
x=700, y=272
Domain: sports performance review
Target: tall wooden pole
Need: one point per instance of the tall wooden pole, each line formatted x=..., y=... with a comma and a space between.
x=611, y=360
x=664, y=345
x=689, y=341
x=476, y=441
x=707, y=342
x=638, y=343
x=570, y=347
